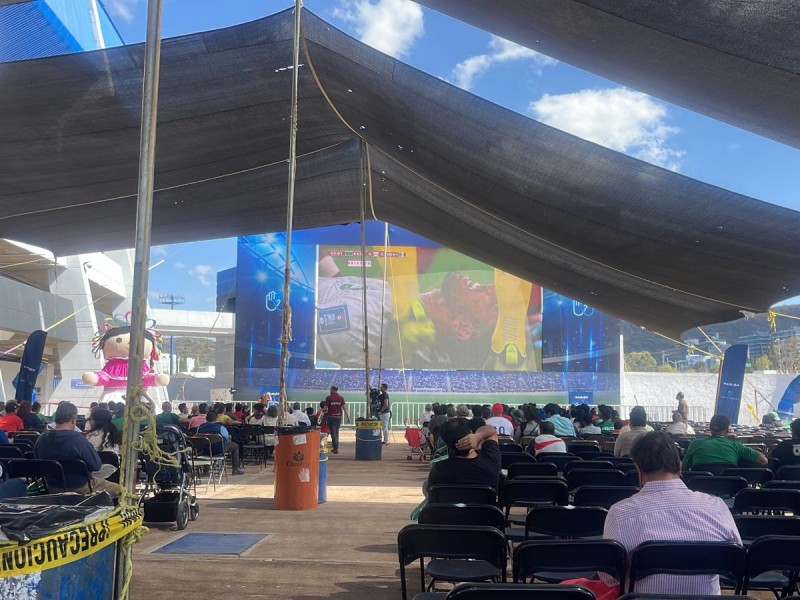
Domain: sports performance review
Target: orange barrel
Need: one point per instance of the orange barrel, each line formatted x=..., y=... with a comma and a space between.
x=297, y=470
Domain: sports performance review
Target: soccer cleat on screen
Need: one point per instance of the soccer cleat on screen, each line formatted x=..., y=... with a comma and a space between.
x=509, y=338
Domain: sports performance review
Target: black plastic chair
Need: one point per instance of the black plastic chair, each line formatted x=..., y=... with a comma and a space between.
x=602, y=465
x=752, y=527
x=462, y=494
x=506, y=591
x=754, y=477
x=580, y=445
x=725, y=559
x=462, y=514
x=510, y=447
x=532, y=469
x=713, y=468
x=631, y=479
x=680, y=597
x=581, y=477
x=561, y=522
x=721, y=486
x=781, y=484
x=509, y=458
x=521, y=492
x=559, y=459
x=252, y=444
x=23, y=443
x=790, y=472
x=45, y=474
x=556, y=560
x=77, y=468
x=9, y=451
x=757, y=501
x=687, y=476
x=767, y=557
x=457, y=553
x=602, y=495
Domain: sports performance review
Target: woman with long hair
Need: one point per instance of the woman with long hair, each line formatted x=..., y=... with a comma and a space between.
x=25, y=413
x=532, y=420
x=103, y=434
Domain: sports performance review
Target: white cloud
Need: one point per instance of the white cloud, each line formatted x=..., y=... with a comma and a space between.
x=157, y=251
x=467, y=71
x=391, y=26
x=180, y=265
x=203, y=273
x=123, y=9
x=619, y=118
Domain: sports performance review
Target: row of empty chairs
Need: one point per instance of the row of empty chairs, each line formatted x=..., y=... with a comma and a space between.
x=470, y=553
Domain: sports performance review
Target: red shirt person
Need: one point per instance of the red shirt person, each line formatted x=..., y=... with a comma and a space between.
x=334, y=407
x=10, y=421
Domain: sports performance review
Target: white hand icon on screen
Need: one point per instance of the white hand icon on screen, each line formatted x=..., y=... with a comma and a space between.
x=273, y=301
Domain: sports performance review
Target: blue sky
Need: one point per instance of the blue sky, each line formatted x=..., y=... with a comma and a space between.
x=519, y=79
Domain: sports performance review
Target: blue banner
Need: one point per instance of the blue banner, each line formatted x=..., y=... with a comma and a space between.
x=790, y=397
x=731, y=378
x=30, y=365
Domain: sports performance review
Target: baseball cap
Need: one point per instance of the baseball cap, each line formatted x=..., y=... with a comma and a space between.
x=497, y=409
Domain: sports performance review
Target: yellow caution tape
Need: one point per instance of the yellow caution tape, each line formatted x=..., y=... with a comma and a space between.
x=67, y=545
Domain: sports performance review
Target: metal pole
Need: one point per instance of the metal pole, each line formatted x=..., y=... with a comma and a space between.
x=362, y=202
x=144, y=210
x=286, y=334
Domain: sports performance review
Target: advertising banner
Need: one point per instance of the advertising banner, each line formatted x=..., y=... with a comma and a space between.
x=731, y=377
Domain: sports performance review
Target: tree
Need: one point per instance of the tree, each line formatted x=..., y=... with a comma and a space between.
x=784, y=356
x=640, y=361
x=762, y=363
x=666, y=369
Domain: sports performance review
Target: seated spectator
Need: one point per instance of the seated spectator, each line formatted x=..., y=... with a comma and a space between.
x=183, y=411
x=64, y=443
x=637, y=428
x=194, y=411
x=719, y=449
x=102, y=433
x=606, y=423
x=167, y=417
x=463, y=412
x=302, y=417
x=425, y=416
x=238, y=411
x=532, y=421
x=679, y=426
x=546, y=441
x=36, y=408
x=788, y=451
x=584, y=424
x=4, y=438
x=473, y=458
x=29, y=420
x=225, y=417
x=10, y=422
x=200, y=417
x=212, y=426
x=119, y=415
x=665, y=509
x=563, y=426
x=500, y=422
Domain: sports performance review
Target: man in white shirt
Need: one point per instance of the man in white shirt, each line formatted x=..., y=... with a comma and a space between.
x=501, y=424
x=426, y=416
x=302, y=418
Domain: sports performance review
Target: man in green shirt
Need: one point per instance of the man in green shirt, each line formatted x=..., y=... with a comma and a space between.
x=719, y=449
x=167, y=417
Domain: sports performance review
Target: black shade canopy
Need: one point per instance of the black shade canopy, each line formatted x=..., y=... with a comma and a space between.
x=737, y=61
x=640, y=242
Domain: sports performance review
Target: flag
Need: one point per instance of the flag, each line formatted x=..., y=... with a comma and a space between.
x=29, y=367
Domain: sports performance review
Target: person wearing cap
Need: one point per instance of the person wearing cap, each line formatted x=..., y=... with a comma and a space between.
x=473, y=458
x=719, y=449
x=563, y=426
x=501, y=423
x=788, y=451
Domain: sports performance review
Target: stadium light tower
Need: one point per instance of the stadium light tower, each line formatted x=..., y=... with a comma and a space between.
x=172, y=300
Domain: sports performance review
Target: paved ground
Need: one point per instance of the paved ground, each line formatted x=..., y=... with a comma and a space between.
x=344, y=549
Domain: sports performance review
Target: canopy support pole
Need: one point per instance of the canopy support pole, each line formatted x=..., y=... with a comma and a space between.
x=362, y=200
x=144, y=214
x=286, y=333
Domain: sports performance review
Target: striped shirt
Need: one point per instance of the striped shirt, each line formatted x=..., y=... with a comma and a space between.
x=667, y=510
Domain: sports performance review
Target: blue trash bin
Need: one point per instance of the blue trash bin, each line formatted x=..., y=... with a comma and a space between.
x=368, y=440
x=322, y=496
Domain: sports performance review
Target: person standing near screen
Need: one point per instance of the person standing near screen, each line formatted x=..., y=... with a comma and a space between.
x=683, y=406
x=334, y=407
x=385, y=413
